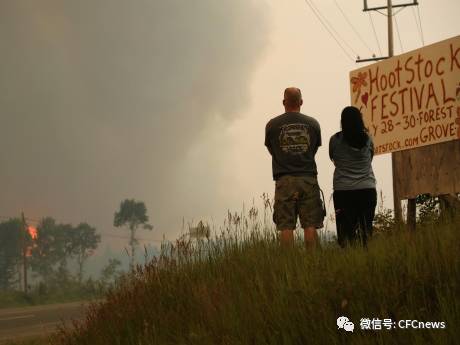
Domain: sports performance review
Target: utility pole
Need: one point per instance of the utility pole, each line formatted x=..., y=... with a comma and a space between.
x=396, y=201
x=390, y=28
x=24, y=250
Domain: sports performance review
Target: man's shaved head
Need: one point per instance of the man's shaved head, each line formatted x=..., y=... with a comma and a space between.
x=292, y=97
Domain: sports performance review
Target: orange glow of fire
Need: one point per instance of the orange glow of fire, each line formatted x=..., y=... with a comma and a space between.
x=33, y=232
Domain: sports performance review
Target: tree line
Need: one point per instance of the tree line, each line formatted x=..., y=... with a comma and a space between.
x=46, y=252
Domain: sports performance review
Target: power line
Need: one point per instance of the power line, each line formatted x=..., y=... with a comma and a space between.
x=417, y=24
x=399, y=35
x=420, y=21
x=390, y=15
x=328, y=30
x=332, y=27
x=375, y=32
x=352, y=26
x=386, y=15
x=402, y=8
x=127, y=238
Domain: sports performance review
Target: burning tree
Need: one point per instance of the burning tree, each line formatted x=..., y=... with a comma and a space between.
x=50, y=249
x=56, y=243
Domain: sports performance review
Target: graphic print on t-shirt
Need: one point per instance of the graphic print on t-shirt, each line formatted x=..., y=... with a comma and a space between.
x=294, y=138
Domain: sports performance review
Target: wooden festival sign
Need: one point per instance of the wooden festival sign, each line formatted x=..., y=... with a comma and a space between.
x=411, y=107
x=411, y=100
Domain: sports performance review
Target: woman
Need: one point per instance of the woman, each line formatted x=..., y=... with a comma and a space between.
x=355, y=196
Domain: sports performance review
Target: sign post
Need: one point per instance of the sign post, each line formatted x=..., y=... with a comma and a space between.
x=412, y=101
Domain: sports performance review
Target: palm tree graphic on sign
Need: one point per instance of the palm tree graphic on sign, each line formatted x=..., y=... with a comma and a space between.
x=358, y=82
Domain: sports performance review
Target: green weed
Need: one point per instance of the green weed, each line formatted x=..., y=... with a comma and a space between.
x=241, y=287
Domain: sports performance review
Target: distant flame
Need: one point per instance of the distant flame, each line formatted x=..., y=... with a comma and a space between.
x=33, y=232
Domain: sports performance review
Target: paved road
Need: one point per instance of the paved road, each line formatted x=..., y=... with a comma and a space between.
x=35, y=321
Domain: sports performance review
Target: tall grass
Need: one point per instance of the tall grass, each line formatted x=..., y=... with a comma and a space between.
x=241, y=287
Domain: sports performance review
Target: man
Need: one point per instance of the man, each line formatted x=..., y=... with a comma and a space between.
x=293, y=140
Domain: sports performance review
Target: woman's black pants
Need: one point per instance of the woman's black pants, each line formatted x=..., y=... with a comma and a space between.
x=354, y=214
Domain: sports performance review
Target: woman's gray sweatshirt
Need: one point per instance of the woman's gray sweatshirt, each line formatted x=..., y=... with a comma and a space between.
x=353, y=167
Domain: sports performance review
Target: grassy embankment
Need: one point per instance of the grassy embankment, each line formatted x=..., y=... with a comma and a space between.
x=242, y=288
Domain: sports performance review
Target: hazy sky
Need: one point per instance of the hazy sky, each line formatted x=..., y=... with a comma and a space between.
x=166, y=101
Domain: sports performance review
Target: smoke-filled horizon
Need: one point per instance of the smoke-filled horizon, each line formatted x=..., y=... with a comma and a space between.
x=166, y=101
x=105, y=100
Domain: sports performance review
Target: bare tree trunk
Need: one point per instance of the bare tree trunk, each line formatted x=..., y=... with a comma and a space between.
x=80, y=269
x=19, y=266
x=132, y=243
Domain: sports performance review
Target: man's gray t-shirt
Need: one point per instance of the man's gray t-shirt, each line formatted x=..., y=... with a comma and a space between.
x=353, y=166
x=293, y=139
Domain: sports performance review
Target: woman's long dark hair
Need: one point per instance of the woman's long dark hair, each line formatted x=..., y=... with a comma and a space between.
x=354, y=132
